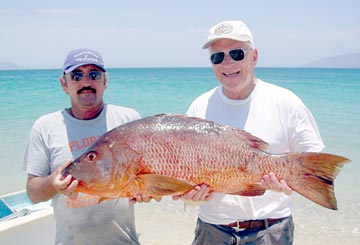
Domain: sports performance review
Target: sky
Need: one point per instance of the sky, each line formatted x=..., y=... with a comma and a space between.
x=38, y=34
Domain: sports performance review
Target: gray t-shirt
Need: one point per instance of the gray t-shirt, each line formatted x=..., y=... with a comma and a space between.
x=57, y=137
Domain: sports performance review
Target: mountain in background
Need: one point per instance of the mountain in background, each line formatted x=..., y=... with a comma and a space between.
x=341, y=61
x=11, y=66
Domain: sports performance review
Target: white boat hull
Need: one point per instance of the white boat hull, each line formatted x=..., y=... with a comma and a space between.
x=29, y=224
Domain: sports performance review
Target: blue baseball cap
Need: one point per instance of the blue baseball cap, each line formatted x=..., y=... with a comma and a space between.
x=80, y=57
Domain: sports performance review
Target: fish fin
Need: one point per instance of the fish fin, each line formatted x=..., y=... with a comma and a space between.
x=250, y=190
x=316, y=178
x=251, y=140
x=160, y=185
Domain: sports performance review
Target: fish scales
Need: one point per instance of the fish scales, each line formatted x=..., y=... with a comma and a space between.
x=177, y=150
x=171, y=154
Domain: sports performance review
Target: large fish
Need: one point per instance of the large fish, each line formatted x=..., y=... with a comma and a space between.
x=170, y=154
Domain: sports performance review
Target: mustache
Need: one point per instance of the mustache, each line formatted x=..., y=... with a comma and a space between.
x=86, y=88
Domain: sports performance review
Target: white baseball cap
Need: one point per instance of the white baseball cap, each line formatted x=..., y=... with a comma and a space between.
x=235, y=30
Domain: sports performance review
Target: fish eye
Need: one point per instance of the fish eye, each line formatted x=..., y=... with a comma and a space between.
x=91, y=156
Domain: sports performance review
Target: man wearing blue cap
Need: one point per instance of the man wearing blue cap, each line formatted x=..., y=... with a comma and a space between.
x=57, y=137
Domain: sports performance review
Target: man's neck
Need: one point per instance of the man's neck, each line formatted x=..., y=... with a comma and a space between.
x=85, y=113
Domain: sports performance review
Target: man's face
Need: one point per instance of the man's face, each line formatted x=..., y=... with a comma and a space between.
x=237, y=77
x=85, y=92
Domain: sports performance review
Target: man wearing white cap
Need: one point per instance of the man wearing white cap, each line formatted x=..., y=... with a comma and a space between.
x=66, y=134
x=269, y=112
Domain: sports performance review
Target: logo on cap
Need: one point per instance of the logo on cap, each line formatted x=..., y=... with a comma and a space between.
x=223, y=29
x=85, y=57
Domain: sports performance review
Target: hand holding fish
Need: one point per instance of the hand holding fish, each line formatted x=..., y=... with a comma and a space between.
x=65, y=185
x=270, y=182
x=143, y=198
x=201, y=193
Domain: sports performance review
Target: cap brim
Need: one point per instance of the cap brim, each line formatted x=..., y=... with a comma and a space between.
x=209, y=42
x=71, y=68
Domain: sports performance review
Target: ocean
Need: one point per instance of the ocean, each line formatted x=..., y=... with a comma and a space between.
x=331, y=94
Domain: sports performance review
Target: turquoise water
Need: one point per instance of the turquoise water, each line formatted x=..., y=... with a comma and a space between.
x=331, y=94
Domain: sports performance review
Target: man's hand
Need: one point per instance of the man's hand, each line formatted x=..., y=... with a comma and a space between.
x=61, y=185
x=270, y=182
x=200, y=193
x=143, y=198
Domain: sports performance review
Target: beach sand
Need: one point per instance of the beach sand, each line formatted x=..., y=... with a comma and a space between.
x=167, y=222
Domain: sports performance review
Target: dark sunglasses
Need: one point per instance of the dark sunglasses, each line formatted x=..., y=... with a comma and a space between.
x=77, y=76
x=236, y=54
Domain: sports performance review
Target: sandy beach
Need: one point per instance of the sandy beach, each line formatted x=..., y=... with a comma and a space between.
x=170, y=224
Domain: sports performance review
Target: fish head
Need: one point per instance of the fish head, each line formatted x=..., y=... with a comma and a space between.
x=95, y=169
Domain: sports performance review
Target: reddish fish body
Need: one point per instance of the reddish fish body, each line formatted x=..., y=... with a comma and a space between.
x=170, y=154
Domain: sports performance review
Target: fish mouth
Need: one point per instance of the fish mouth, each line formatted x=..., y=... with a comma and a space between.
x=81, y=184
x=65, y=173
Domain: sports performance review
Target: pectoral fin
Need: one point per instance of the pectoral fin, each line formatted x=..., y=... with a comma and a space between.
x=251, y=190
x=159, y=185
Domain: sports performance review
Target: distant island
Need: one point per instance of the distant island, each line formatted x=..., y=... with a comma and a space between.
x=340, y=61
x=11, y=66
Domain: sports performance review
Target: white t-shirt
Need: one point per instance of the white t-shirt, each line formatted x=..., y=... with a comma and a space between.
x=57, y=137
x=273, y=114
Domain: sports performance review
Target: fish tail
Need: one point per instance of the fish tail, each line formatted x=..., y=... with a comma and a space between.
x=315, y=179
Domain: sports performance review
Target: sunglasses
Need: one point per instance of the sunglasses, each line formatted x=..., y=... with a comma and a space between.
x=235, y=54
x=77, y=76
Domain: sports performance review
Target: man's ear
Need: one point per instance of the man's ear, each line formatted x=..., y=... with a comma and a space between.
x=255, y=56
x=63, y=84
x=106, y=81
